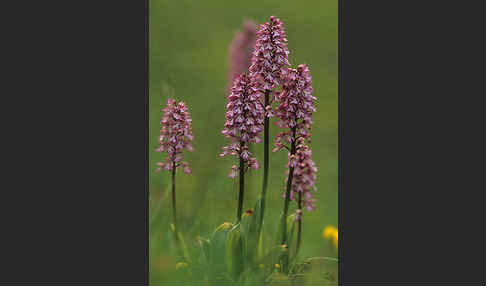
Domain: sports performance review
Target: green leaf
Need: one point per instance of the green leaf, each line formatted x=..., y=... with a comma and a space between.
x=204, y=249
x=184, y=247
x=235, y=251
x=260, y=243
x=291, y=227
x=180, y=244
x=272, y=256
x=320, y=264
x=252, y=277
x=280, y=230
x=253, y=239
x=317, y=258
x=256, y=219
x=284, y=259
x=217, y=248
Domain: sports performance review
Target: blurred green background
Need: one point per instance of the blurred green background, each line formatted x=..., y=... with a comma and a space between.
x=188, y=60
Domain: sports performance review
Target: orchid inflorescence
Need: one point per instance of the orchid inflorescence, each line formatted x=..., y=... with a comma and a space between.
x=175, y=135
x=296, y=102
x=241, y=49
x=296, y=105
x=270, y=56
x=304, y=175
x=244, y=121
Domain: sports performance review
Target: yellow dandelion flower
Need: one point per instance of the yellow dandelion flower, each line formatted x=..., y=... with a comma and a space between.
x=331, y=233
x=180, y=265
x=328, y=232
x=277, y=266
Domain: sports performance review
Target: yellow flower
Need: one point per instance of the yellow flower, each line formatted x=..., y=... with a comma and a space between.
x=331, y=233
x=180, y=265
x=277, y=266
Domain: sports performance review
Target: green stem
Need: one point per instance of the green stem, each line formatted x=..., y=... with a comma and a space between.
x=266, y=159
x=174, y=208
x=287, y=192
x=299, y=224
x=242, y=185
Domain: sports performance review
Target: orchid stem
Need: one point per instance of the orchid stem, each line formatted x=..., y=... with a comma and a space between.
x=287, y=192
x=242, y=186
x=174, y=208
x=266, y=159
x=299, y=224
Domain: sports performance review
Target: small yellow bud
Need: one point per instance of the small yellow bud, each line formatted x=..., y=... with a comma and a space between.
x=180, y=265
x=225, y=225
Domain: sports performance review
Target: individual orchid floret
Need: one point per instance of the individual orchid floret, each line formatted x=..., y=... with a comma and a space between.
x=175, y=136
x=244, y=120
x=270, y=56
x=241, y=49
